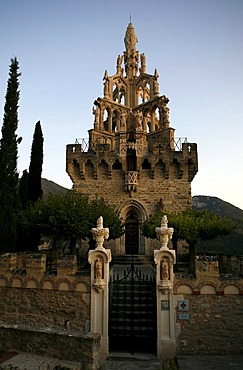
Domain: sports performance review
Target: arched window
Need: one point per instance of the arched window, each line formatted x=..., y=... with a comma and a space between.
x=105, y=119
x=89, y=169
x=103, y=170
x=117, y=165
x=146, y=165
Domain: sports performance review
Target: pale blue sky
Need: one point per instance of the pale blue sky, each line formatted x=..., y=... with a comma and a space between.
x=64, y=47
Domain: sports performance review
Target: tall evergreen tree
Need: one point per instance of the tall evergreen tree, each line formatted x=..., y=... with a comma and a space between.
x=23, y=189
x=9, y=200
x=35, y=169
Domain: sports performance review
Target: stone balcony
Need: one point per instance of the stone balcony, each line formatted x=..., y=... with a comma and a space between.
x=131, y=181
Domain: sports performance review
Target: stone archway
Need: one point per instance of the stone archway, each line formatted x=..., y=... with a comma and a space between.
x=133, y=213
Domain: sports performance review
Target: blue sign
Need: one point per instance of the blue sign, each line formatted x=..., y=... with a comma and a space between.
x=183, y=305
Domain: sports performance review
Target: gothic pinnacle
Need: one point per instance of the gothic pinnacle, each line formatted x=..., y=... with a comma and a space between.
x=130, y=38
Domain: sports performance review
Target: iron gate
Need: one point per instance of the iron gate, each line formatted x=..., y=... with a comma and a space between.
x=132, y=312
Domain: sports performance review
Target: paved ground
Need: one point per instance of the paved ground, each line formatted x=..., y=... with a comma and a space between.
x=25, y=361
x=210, y=362
x=123, y=361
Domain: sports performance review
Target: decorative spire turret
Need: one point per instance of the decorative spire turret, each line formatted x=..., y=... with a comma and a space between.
x=130, y=38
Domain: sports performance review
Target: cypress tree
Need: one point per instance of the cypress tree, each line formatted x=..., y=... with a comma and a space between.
x=35, y=169
x=9, y=200
x=23, y=189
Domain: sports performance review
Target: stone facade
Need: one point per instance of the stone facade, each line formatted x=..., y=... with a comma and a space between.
x=132, y=158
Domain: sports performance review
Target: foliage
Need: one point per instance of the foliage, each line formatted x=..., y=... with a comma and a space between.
x=190, y=225
x=98, y=207
x=9, y=200
x=69, y=216
x=35, y=168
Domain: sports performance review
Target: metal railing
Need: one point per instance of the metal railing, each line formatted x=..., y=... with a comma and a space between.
x=87, y=144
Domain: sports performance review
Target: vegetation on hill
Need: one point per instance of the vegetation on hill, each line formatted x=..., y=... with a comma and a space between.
x=231, y=244
x=217, y=206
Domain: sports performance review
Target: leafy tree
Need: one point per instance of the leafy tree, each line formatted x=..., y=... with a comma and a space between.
x=35, y=169
x=98, y=207
x=190, y=225
x=9, y=200
x=70, y=217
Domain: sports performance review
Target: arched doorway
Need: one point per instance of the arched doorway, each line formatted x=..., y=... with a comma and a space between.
x=132, y=233
x=133, y=214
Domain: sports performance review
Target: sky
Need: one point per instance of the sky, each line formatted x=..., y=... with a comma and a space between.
x=64, y=47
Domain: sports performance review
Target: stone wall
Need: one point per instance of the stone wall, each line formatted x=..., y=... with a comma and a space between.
x=176, y=193
x=208, y=311
x=214, y=326
x=71, y=346
x=50, y=308
x=36, y=299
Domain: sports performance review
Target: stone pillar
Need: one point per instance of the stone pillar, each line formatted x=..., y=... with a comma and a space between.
x=36, y=264
x=164, y=259
x=99, y=260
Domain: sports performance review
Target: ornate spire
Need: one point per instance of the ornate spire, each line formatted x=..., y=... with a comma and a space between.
x=130, y=38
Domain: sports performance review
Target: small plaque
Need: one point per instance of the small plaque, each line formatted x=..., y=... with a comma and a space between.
x=165, y=305
x=183, y=305
x=183, y=316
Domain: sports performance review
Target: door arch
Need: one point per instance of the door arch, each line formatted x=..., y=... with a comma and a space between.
x=141, y=215
x=131, y=233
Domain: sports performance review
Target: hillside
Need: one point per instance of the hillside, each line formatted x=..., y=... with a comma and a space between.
x=218, y=206
x=50, y=187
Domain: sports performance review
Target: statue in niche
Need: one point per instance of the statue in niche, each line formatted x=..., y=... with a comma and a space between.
x=106, y=89
x=106, y=85
x=166, y=115
x=98, y=270
x=139, y=120
x=123, y=121
x=96, y=112
x=165, y=273
x=156, y=86
x=118, y=63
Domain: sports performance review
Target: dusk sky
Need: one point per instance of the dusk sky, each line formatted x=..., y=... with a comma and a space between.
x=64, y=47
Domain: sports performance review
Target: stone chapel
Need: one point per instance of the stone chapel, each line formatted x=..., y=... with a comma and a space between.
x=132, y=158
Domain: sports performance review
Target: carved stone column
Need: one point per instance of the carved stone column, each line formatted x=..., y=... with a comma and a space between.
x=99, y=260
x=164, y=259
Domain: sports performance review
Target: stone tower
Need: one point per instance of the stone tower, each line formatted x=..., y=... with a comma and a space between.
x=132, y=158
